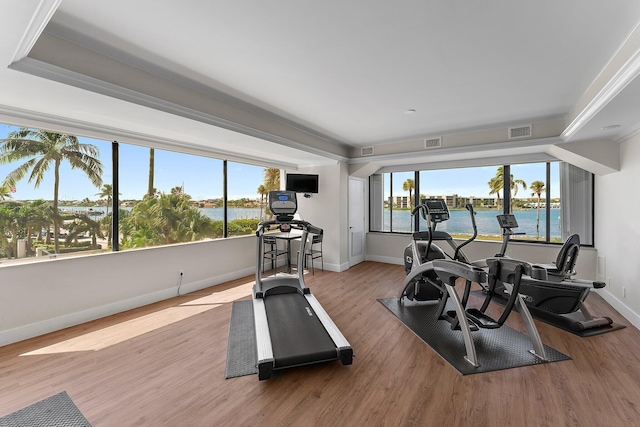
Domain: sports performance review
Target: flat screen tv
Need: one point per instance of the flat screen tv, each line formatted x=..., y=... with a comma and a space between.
x=302, y=183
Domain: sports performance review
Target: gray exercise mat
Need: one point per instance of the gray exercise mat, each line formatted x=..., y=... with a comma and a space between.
x=55, y=411
x=242, y=357
x=496, y=349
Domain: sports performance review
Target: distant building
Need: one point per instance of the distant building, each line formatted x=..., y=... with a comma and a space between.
x=399, y=201
x=455, y=201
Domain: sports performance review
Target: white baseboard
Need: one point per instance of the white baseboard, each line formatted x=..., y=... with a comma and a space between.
x=619, y=306
x=385, y=259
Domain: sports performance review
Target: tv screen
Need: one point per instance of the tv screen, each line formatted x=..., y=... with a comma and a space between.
x=302, y=183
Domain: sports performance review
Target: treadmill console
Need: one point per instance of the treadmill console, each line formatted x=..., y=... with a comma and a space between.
x=436, y=209
x=283, y=204
x=507, y=221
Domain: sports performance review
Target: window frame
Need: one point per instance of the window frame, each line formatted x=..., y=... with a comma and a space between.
x=507, y=201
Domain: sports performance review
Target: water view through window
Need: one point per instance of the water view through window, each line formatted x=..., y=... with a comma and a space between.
x=535, y=193
x=460, y=222
x=57, y=195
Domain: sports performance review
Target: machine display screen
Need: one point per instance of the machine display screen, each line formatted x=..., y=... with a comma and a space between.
x=507, y=221
x=283, y=202
x=436, y=205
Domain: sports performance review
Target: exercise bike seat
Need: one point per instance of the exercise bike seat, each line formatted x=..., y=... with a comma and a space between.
x=567, y=257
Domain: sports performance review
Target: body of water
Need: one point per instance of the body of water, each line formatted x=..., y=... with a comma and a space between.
x=460, y=222
x=216, y=214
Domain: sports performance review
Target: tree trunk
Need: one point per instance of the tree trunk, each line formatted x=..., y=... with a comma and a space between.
x=151, y=171
x=538, y=220
x=56, y=185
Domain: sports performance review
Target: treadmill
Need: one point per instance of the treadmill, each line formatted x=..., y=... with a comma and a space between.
x=292, y=328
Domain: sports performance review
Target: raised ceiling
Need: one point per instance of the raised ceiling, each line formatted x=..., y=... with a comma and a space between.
x=309, y=82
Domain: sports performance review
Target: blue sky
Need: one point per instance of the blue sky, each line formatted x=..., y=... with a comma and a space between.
x=474, y=181
x=202, y=177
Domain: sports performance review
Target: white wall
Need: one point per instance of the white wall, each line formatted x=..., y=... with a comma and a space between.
x=617, y=231
x=328, y=210
x=44, y=296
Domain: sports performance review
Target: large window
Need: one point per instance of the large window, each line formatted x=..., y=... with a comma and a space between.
x=550, y=200
x=50, y=188
x=58, y=197
x=395, y=200
x=167, y=197
x=248, y=187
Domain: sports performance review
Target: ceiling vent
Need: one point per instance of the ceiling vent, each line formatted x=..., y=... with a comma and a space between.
x=520, y=132
x=433, y=143
x=366, y=151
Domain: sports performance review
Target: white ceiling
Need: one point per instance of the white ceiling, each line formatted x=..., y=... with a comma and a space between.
x=342, y=72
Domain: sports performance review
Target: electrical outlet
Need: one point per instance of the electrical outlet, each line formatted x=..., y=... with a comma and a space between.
x=181, y=272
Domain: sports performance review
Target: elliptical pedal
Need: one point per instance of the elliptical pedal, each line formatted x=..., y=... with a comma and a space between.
x=455, y=325
x=481, y=319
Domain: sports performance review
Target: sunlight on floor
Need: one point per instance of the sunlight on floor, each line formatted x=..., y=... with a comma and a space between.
x=115, y=334
x=229, y=295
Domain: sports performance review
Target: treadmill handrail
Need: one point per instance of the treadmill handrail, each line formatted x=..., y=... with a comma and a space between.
x=297, y=224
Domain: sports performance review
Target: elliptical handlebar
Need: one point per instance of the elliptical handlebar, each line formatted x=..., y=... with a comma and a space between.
x=472, y=212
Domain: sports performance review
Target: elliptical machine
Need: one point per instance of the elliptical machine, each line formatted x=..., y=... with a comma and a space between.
x=422, y=249
x=560, y=300
x=432, y=277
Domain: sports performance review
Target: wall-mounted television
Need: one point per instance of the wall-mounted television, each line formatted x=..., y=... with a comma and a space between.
x=302, y=183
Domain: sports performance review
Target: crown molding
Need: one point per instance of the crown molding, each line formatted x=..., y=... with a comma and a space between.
x=628, y=133
x=629, y=71
x=39, y=20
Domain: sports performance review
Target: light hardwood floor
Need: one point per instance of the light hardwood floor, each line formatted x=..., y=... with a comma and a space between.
x=164, y=364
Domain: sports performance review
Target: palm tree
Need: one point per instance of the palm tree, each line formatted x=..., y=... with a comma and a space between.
x=497, y=183
x=165, y=219
x=37, y=217
x=262, y=190
x=43, y=150
x=5, y=192
x=495, y=186
x=9, y=220
x=515, y=183
x=84, y=224
x=537, y=188
x=409, y=185
x=178, y=190
x=106, y=192
x=272, y=179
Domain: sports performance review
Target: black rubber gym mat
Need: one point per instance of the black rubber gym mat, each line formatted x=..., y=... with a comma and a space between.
x=241, y=348
x=496, y=349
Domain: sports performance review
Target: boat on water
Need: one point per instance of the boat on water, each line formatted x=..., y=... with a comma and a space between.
x=89, y=212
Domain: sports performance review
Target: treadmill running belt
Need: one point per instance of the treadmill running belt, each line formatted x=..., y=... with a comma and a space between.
x=297, y=336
